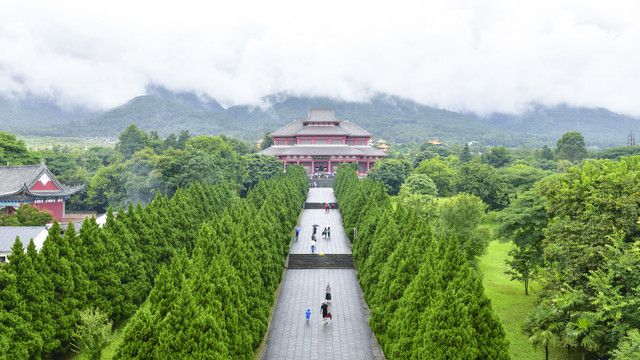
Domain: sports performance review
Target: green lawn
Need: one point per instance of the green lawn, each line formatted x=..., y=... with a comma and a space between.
x=510, y=302
x=74, y=143
x=110, y=350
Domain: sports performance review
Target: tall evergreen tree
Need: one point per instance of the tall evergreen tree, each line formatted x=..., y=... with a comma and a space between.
x=58, y=283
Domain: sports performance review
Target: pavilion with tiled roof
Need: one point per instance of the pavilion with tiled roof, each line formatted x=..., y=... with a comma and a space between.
x=321, y=142
x=34, y=185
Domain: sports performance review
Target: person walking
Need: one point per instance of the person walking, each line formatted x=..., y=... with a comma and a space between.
x=325, y=310
x=324, y=232
x=313, y=243
x=327, y=293
x=328, y=231
x=326, y=208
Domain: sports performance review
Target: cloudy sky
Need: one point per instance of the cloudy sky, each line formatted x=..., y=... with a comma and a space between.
x=463, y=55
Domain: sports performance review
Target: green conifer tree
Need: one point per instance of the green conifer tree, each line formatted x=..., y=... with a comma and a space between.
x=140, y=338
x=58, y=283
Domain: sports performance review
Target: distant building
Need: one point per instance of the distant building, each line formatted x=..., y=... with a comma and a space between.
x=25, y=233
x=321, y=143
x=34, y=185
x=434, y=142
x=383, y=147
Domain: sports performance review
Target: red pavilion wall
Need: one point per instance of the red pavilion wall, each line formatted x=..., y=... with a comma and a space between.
x=56, y=209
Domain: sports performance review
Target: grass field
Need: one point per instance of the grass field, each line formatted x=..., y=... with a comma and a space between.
x=110, y=350
x=73, y=143
x=510, y=303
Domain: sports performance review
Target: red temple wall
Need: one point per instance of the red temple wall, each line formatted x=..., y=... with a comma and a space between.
x=56, y=208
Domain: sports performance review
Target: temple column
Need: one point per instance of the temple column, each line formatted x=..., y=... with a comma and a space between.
x=313, y=166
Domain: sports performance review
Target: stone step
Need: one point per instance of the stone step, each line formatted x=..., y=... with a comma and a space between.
x=318, y=261
x=312, y=205
x=321, y=183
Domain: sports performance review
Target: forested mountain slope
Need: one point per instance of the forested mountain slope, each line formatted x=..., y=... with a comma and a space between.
x=31, y=112
x=600, y=127
x=387, y=117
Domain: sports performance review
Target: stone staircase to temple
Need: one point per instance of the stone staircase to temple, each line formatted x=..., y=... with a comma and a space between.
x=317, y=261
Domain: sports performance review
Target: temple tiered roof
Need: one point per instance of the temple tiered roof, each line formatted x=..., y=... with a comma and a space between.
x=321, y=122
x=321, y=142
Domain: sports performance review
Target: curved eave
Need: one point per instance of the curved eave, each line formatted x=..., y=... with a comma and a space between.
x=30, y=195
x=322, y=150
x=56, y=193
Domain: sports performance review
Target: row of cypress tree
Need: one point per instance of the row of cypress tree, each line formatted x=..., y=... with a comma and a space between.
x=426, y=301
x=111, y=268
x=215, y=303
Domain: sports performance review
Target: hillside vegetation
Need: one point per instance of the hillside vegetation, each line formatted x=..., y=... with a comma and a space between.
x=389, y=117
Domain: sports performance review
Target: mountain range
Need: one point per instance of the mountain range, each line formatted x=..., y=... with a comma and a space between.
x=388, y=117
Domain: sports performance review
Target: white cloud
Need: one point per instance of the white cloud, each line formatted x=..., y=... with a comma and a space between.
x=480, y=56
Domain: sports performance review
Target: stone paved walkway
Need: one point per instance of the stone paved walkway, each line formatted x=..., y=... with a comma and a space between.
x=317, y=195
x=348, y=335
x=336, y=244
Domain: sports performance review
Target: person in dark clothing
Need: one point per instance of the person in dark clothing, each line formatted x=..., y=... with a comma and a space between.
x=327, y=295
x=315, y=228
x=325, y=310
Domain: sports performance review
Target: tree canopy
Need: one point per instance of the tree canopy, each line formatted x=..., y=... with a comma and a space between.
x=571, y=147
x=26, y=215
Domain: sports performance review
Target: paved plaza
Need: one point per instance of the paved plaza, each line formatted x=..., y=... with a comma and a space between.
x=336, y=244
x=319, y=195
x=348, y=335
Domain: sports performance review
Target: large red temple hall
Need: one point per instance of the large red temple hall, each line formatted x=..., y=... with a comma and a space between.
x=321, y=143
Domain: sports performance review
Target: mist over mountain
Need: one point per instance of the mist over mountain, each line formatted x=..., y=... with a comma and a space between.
x=20, y=113
x=600, y=127
x=389, y=117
